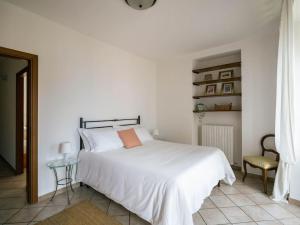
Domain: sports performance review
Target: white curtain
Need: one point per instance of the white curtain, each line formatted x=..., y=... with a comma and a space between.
x=285, y=123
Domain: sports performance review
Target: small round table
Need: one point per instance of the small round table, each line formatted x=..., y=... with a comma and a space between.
x=68, y=164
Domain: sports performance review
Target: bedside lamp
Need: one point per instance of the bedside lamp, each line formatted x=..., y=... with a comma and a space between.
x=65, y=148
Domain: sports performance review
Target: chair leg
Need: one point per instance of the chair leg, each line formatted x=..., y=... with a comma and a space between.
x=245, y=170
x=265, y=180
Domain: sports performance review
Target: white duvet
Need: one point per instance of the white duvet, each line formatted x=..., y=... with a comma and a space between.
x=162, y=182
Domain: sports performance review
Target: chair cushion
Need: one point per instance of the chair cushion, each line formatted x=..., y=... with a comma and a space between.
x=261, y=161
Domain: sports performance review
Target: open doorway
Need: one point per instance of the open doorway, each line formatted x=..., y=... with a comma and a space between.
x=18, y=120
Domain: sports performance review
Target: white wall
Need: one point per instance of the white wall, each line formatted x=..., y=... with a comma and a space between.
x=295, y=190
x=174, y=84
x=78, y=76
x=8, y=68
x=220, y=118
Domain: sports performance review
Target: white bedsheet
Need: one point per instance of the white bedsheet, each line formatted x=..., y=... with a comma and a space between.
x=162, y=182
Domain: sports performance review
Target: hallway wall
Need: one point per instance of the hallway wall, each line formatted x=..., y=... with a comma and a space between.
x=8, y=69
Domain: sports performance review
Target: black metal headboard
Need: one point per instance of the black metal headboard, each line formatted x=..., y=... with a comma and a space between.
x=86, y=124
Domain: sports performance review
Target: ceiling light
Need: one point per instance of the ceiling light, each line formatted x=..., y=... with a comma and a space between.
x=140, y=4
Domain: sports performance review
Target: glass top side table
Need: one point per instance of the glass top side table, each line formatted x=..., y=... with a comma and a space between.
x=67, y=180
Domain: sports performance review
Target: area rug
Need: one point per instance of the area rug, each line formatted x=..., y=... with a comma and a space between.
x=83, y=213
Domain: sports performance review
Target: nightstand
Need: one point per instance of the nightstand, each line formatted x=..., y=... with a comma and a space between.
x=67, y=165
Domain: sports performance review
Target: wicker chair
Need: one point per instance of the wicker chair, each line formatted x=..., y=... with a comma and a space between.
x=262, y=162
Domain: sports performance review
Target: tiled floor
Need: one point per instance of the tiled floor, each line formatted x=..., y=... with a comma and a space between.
x=242, y=203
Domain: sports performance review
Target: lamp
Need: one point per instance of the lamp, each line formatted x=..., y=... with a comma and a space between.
x=140, y=4
x=65, y=148
x=155, y=132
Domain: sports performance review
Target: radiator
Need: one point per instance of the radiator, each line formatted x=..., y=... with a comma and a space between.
x=220, y=137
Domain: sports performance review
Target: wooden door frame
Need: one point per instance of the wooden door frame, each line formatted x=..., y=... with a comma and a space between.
x=32, y=130
x=20, y=120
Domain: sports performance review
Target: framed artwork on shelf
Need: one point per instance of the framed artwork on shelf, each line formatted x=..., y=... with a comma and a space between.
x=211, y=89
x=227, y=88
x=223, y=75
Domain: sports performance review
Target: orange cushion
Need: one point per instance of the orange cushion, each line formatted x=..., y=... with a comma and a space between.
x=129, y=138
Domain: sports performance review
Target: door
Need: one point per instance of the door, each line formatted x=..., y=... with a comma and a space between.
x=20, y=120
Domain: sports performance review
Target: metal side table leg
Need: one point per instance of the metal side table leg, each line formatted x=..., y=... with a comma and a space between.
x=56, y=183
x=67, y=180
x=70, y=176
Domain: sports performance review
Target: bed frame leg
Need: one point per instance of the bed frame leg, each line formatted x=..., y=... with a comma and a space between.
x=219, y=183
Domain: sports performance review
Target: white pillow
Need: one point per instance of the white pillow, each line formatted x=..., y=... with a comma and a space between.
x=101, y=140
x=142, y=133
x=85, y=141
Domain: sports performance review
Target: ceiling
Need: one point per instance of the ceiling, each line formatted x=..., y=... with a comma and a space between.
x=171, y=27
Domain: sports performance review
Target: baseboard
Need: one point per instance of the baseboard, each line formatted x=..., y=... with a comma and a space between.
x=294, y=202
x=10, y=166
x=59, y=191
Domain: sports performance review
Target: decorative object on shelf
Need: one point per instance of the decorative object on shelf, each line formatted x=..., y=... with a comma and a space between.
x=65, y=148
x=200, y=107
x=227, y=88
x=140, y=4
x=208, y=77
x=223, y=107
x=223, y=75
x=211, y=89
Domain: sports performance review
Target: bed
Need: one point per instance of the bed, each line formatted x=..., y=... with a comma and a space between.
x=162, y=182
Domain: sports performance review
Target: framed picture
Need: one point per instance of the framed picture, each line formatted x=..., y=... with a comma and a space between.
x=208, y=77
x=223, y=75
x=227, y=88
x=211, y=89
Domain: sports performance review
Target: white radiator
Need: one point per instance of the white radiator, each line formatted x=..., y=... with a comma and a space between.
x=220, y=137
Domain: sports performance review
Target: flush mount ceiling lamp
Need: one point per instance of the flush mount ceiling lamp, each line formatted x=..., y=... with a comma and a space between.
x=140, y=4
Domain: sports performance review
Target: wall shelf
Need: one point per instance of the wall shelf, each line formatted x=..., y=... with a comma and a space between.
x=216, y=81
x=233, y=110
x=221, y=95
x=220, y=67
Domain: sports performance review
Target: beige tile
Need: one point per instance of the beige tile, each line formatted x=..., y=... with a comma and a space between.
x=246, y=189
x=235, y=215
x=24, y=215
x=221, y=201
x=216, y=191
x=256, y=213
x=208, y=204
x=115, y=209
x=13, y=193
x=240, y=200
x=5, y=214
x=274, y=222
x=292, y=221
x=124, y=220
x=213, y=216
x=227, y=189
x=135, y=220
x=248, y=223
x=260, y=198
x=277, y=212
x=197, y=219
x=47, y=212
x=12, y=203
x=292, y=208
x=60, y=199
